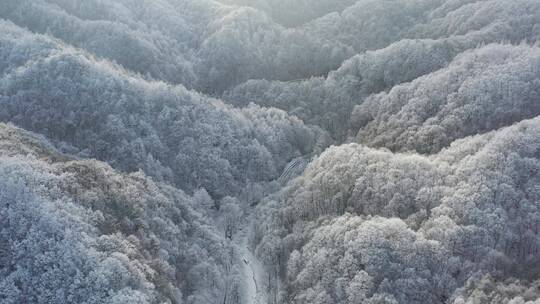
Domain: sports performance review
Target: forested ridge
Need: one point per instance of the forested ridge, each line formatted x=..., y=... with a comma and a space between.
x=270, y=151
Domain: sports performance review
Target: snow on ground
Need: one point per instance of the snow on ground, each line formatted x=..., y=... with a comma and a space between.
x=252, y=270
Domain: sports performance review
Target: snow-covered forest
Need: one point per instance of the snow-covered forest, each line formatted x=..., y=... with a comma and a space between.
x=270, y=151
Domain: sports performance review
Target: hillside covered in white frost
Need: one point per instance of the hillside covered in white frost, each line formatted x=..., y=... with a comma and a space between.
x=270, y=151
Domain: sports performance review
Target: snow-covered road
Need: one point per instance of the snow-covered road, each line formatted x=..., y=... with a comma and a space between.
x=253, y=273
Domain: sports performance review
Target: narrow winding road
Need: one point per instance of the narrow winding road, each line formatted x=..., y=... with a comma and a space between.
x=253, y=272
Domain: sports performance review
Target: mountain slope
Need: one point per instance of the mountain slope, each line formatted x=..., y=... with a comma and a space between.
x=79, y=231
